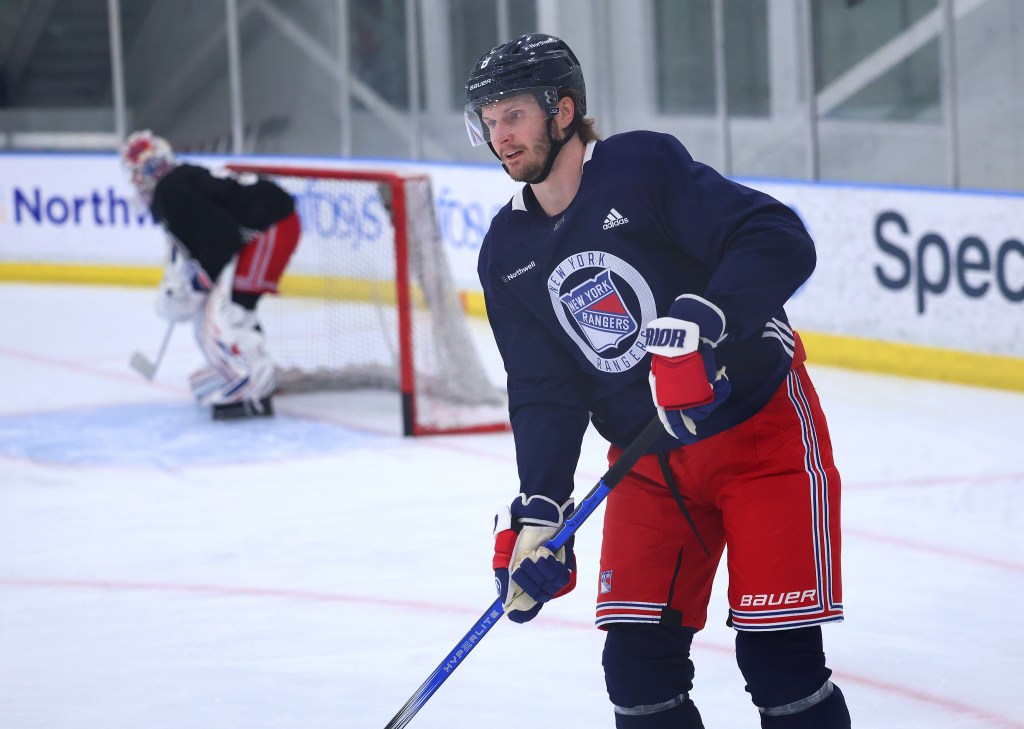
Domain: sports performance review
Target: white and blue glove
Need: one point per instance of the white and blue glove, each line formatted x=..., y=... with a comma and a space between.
x=183, y=287
x=526, y=573
x=686, y=383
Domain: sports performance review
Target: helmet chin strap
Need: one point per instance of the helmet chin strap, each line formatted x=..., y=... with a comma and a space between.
x=555, y=147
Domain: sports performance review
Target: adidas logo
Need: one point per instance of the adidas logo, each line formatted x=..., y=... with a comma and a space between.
x=614, y=218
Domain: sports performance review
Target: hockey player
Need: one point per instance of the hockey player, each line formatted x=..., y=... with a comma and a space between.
x=228, y=242
x=625, y=279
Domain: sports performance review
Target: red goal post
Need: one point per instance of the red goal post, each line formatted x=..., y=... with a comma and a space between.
x=369, y=301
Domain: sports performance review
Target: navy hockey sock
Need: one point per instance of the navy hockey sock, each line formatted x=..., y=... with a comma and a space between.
x=648, y=673
x=781, y=666
x=681, y=716
x=830, y=713
x=788, y=680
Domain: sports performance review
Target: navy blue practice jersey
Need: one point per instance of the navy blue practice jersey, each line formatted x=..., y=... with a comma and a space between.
x=568, y=296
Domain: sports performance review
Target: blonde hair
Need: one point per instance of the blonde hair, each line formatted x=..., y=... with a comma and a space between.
x=586, y=126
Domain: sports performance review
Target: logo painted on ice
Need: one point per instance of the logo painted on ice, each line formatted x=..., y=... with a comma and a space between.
x=600, y=312
x=601, y=301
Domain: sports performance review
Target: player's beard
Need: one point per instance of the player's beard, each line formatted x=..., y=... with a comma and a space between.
x=532, y=169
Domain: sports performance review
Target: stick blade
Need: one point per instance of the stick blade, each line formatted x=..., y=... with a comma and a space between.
x=143, y=366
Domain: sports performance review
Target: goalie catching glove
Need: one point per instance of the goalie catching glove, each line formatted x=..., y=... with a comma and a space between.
x=184, y=287
x=685, y=383
x=527, y=573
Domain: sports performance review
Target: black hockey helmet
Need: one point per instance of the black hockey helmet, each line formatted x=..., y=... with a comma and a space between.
x=537, y=63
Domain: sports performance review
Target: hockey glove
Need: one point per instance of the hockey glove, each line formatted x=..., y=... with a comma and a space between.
x=537, y=574
x=686, y=383
x=183, y=287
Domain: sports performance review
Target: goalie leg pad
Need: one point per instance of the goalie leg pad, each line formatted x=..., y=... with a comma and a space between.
x=205, y=381
x=648, y=673
x=232, y=340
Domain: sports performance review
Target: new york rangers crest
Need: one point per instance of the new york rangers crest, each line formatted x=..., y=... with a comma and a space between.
x=599, y=310
x=602, y=303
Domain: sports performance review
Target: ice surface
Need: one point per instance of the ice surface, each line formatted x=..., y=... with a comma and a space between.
x=161, y=570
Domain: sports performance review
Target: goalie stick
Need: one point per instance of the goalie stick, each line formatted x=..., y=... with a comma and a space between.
x=143, y=366
x=489, y=619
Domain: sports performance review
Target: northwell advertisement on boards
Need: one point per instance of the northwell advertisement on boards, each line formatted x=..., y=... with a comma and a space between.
x=916, y=266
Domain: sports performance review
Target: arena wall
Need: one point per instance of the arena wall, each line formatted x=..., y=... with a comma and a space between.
x=911, y=281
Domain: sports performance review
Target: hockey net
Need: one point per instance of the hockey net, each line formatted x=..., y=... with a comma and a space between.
x=369, y=301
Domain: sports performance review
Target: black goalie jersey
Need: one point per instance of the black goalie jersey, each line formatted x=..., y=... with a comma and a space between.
x=568, y=297
x=213, y=217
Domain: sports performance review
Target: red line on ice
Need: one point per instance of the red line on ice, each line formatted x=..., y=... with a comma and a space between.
x=906, y=693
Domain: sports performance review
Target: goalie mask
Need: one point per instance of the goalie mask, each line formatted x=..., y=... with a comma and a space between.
x=146, y=159
x=538, y=64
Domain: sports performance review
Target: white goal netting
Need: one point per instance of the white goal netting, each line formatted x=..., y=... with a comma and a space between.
x=368, y=301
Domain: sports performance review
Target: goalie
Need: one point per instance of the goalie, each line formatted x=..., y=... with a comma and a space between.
x=229, y=240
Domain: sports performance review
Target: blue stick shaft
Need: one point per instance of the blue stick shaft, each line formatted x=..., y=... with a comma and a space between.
x=647, y=438
x=650, y=434
x=455, y=658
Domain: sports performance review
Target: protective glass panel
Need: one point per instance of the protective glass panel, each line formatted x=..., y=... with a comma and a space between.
x=685, y=61
x=291, y=77
x=175, y=73
x=55, y=75
x=878, y=60
x=685, y=57
x=378, y=45
x=475, y=27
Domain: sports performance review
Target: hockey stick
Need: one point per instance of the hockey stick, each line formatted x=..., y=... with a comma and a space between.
x=143, y=366
x=489, y=619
